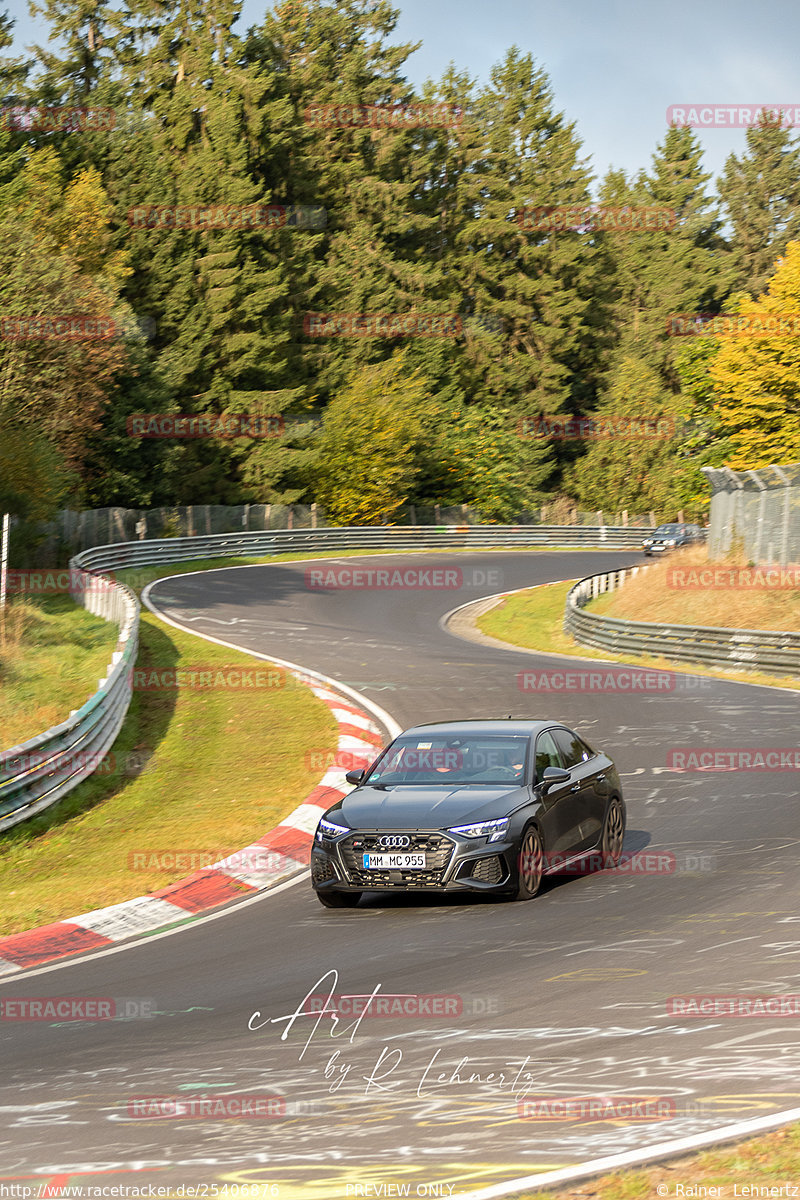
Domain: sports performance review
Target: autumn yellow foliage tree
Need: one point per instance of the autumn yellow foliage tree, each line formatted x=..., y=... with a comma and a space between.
x=756, y=380
x=367, y=448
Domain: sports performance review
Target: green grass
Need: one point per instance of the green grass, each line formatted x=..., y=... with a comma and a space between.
x=52, y=657
x=225, y=766
x=534, y=620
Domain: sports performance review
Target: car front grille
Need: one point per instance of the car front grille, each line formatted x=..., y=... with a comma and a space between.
x=437, y=848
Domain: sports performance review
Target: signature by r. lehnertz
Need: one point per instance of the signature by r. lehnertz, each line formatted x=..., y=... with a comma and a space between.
x=389, y=1059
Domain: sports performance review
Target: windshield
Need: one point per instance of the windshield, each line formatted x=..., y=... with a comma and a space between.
x=452, y=759
x=668, y=529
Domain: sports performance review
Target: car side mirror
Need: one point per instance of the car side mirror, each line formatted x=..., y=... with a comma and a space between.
x=355, y=776
x=552, y=776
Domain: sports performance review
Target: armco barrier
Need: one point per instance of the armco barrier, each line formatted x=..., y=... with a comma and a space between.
x=374, y=537
x=737, y=649
x=39, y=772
x=53, y=763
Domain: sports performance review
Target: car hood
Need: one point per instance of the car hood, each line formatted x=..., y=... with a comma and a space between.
x=426, y=807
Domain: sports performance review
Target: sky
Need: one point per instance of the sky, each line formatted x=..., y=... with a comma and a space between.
x=615, y=65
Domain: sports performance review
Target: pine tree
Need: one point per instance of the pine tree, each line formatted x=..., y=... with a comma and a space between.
x=368, y=258
x=760, y=193
x=220, y=294
x=661, y=272
x=519, y=153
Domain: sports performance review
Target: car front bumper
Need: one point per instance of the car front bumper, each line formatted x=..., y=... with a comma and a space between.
x=453, y=864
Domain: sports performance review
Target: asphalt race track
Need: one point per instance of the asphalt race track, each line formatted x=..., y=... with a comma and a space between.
x=565, y=996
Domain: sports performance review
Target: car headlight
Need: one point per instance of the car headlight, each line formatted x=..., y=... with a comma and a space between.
x=329, y=829
x=494, y=830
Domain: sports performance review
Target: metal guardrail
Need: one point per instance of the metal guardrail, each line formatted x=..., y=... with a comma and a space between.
x=737, y=649
x=39, y=772
x=375, y=537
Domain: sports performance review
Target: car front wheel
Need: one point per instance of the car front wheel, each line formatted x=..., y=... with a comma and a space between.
x=613, y=834
x=531, y=857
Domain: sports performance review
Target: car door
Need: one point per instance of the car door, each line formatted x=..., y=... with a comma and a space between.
x=587, y=785
x=561, y=820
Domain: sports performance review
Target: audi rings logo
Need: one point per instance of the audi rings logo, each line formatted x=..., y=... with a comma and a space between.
x=395, y=841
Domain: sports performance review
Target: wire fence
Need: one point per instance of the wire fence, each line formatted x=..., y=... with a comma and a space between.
x=756, y=513
x=53, y=543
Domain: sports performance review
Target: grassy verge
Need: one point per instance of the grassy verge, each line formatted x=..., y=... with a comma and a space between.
x=194, y=770
x=534, y=620
x=52, y=656
x=668, y=591
x=763, y=1163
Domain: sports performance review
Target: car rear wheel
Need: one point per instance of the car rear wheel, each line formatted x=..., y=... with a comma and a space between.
x=613, y=834
x=531, y=857
x=339, y=899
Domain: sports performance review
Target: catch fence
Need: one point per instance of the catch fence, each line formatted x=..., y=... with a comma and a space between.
x=755, y=513
x=53, y=543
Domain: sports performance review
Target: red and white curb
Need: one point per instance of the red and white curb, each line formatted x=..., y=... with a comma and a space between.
x=282, y=853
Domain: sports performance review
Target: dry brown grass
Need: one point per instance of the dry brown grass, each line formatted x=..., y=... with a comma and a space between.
x=651, y=596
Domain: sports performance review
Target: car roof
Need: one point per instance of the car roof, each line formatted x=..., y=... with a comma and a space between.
x=520, y=727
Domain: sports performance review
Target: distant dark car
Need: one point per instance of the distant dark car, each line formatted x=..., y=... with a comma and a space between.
x=470, y=806
x=667, y=537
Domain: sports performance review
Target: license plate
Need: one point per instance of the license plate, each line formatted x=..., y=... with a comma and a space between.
x=394, y=862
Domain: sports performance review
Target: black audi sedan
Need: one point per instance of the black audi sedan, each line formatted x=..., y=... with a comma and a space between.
x=470, y=806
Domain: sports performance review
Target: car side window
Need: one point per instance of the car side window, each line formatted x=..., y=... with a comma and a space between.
x=572, y=748
x=588, y=751
x=546, y=755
